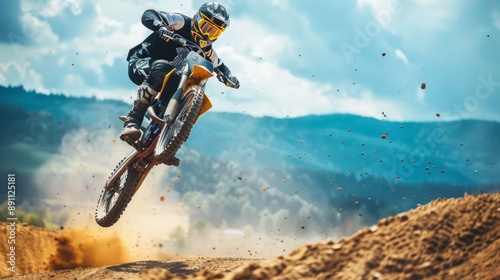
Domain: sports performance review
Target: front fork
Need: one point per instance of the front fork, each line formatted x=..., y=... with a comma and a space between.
x=173, y=103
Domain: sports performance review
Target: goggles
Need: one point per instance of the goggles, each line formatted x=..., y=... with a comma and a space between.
x=208, y=28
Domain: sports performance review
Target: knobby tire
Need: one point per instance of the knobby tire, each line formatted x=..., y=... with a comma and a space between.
x=188, y=112
x=130, y=184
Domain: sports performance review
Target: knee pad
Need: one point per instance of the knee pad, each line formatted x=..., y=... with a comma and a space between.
x=159, y=69
x=138, y=70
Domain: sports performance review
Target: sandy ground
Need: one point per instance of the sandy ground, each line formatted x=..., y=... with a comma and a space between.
x=446, y=239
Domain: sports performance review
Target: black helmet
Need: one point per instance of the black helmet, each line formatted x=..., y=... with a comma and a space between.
x=209, y=23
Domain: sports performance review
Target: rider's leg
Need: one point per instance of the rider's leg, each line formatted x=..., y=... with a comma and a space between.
x=131, y=128
x=146, y=92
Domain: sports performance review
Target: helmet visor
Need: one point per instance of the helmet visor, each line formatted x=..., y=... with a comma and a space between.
x=209, y=29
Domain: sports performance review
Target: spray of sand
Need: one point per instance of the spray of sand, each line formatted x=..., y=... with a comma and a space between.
x=76, y=248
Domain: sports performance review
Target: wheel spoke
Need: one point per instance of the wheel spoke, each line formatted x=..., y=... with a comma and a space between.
x=114, y=192
x=118, y=191
x=108, y=195
x=117, y=194
x=178, y=124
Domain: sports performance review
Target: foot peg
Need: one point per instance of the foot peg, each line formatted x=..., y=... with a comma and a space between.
x=128, y=141
x=173, y=160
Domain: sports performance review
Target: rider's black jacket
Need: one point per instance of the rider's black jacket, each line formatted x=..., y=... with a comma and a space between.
x=156, y=48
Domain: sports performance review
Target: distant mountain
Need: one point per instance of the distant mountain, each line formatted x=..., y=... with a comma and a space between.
x=81, y=111
x=461, y=152
x=458, y=153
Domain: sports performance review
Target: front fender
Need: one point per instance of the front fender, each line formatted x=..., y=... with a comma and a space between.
x=206, y=105
x=198, y=75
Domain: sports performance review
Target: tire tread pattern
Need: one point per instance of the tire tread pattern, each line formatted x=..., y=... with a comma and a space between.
x=164, y=151
x=129, y=187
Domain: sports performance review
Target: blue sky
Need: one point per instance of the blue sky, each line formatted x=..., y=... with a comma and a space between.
x=293, y=58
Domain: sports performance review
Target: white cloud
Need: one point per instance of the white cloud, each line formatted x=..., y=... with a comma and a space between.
x=268, y=89
x=401, y=55
x=282, y=4
x=22, y=74
x=379, y=5
x=130, y=12
x=105, y=24
x=420, y=95
x=363, y=102
x=103, y=45
x=495, y=15
x=37, y=31
x=73, y=81
x=383, y=10
x=296, y=68
x=406, y=17
x=46, y=9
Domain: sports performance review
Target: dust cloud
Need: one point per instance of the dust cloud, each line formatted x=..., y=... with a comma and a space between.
x=77, y=248
x=72, y=181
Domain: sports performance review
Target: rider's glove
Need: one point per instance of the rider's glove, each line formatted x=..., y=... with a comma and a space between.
x=164, y=33
x=224, y=75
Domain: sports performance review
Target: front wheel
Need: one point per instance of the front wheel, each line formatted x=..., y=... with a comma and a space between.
x=117, y=192
x=177, y=132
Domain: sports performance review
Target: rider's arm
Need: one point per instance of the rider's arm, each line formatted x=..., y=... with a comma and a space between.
x=154, y=19
x=216, y=61
x=224, y=75
x=212, y=55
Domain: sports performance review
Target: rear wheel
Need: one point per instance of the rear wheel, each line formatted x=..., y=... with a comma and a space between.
x=177, y=132
x=117, y=193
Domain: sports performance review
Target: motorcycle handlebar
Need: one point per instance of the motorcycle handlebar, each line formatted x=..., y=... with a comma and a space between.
x=179, y=40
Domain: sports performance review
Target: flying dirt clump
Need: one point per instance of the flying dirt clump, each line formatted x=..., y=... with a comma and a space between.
x=446, y=239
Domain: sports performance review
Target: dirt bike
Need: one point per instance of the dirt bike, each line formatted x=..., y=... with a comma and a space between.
x=168, y=122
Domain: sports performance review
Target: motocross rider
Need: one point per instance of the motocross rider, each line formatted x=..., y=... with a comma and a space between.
x=151, y=60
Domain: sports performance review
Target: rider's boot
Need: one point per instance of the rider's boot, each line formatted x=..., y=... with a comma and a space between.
x=131, y=128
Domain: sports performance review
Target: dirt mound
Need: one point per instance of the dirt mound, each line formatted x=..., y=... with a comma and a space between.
x=39, y=250
x=33, y=248
x=446, y=239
